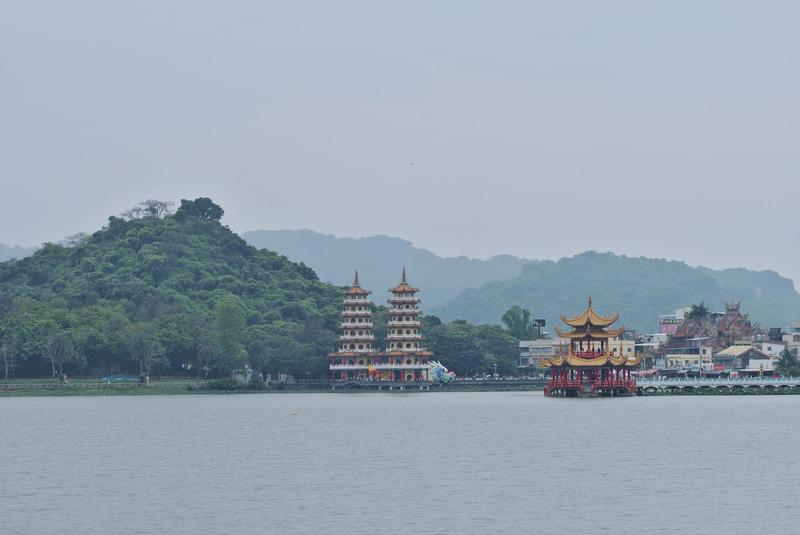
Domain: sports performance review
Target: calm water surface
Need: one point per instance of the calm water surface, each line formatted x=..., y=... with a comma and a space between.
x=399, y=463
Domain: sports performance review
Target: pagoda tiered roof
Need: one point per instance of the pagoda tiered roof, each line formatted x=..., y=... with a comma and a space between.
x=403, y=287
x=590, y=325
x=356, y=288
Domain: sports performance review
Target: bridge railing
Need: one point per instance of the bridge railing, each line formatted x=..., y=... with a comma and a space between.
x=705, y=381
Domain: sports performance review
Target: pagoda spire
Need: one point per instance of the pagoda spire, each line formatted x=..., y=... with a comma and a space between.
x=403, y=279
x=355, y=281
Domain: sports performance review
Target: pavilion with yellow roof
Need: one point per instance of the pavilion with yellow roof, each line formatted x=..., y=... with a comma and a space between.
x=590, y=367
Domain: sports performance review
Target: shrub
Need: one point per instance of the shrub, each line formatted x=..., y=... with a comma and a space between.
x=256, y=383
x=223, y=384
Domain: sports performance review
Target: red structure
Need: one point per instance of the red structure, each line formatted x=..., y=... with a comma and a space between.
x=590, y=367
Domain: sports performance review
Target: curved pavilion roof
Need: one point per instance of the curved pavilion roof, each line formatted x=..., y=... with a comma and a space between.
x=591, y=333
x=599, y=361
x=590, y=318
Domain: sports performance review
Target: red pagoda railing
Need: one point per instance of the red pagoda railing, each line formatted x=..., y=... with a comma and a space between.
x=590, y=354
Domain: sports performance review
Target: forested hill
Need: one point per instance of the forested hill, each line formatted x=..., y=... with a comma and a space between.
x=639, y=289
x=7, y=252
x=379, y=260
x=165, y=293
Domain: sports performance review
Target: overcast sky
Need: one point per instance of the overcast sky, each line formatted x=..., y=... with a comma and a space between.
x=540, y=129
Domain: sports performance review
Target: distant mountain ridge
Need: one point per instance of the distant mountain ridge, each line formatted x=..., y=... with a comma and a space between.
x=379, y=260
x=480, y=291
x=7, y=252
x=640, y=289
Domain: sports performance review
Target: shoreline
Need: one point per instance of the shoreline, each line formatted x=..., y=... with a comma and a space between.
x=177, y=389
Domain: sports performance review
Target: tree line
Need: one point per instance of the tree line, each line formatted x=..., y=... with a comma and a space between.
x=164, y=291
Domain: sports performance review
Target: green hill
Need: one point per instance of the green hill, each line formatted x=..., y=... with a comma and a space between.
x=165, y=293
x=380, y=259
x=638, y=288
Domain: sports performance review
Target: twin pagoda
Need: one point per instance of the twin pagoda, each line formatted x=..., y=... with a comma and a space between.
x=405, y=359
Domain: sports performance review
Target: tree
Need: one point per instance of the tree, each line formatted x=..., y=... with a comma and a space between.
x=144, y=346
x=157, y=209
x=76, y=240
x=519, y=324
x=201, y=208
x=229, y=328
x=697, y=312
x=9, y=348
x=788, y=363
x=59, y=350
x=151, y=208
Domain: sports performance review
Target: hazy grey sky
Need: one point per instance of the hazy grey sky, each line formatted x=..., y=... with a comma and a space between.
x=541, y=129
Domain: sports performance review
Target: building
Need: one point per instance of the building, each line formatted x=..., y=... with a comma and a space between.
x=531, y=351
x=668, y=323
x=792, y=338
x=356, y=354
x=697, y=357
x=773, y=349
x=406, y=358
x=716, y=330
x=743, y=359
x=591, y=366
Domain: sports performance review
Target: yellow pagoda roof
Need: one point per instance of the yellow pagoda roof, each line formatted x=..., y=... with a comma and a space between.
x=600, y=360
x=590, y=333
x=590, y=318
x=356, y=288
x=404, y=287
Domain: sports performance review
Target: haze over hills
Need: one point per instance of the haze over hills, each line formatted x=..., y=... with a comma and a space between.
x=7, y=252
x=380, y=259
x=480, y=291
x=638, y=288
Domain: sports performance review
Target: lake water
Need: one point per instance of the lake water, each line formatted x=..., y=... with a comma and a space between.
x=399, y=463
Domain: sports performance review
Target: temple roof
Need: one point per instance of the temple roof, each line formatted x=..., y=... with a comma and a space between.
x=356, y=288
x=403, y=287
x=599, y=361
x=590, y=317
x=591, y=333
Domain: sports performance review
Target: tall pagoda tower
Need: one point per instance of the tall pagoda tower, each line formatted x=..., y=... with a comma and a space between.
x=406, y=358
x=590, y=367
x=356, y=354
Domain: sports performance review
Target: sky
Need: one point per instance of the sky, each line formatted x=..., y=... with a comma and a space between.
x=539, y=129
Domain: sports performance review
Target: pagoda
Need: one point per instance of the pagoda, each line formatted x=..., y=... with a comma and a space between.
x=405, y=358
x=356, y=355
x=589, y=367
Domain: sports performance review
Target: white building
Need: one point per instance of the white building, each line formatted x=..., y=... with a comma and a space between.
x=530, y=351
x=792, y=338
x=773, y=349
x=690, y=357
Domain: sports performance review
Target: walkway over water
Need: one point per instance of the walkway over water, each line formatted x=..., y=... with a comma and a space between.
x=746, y=385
